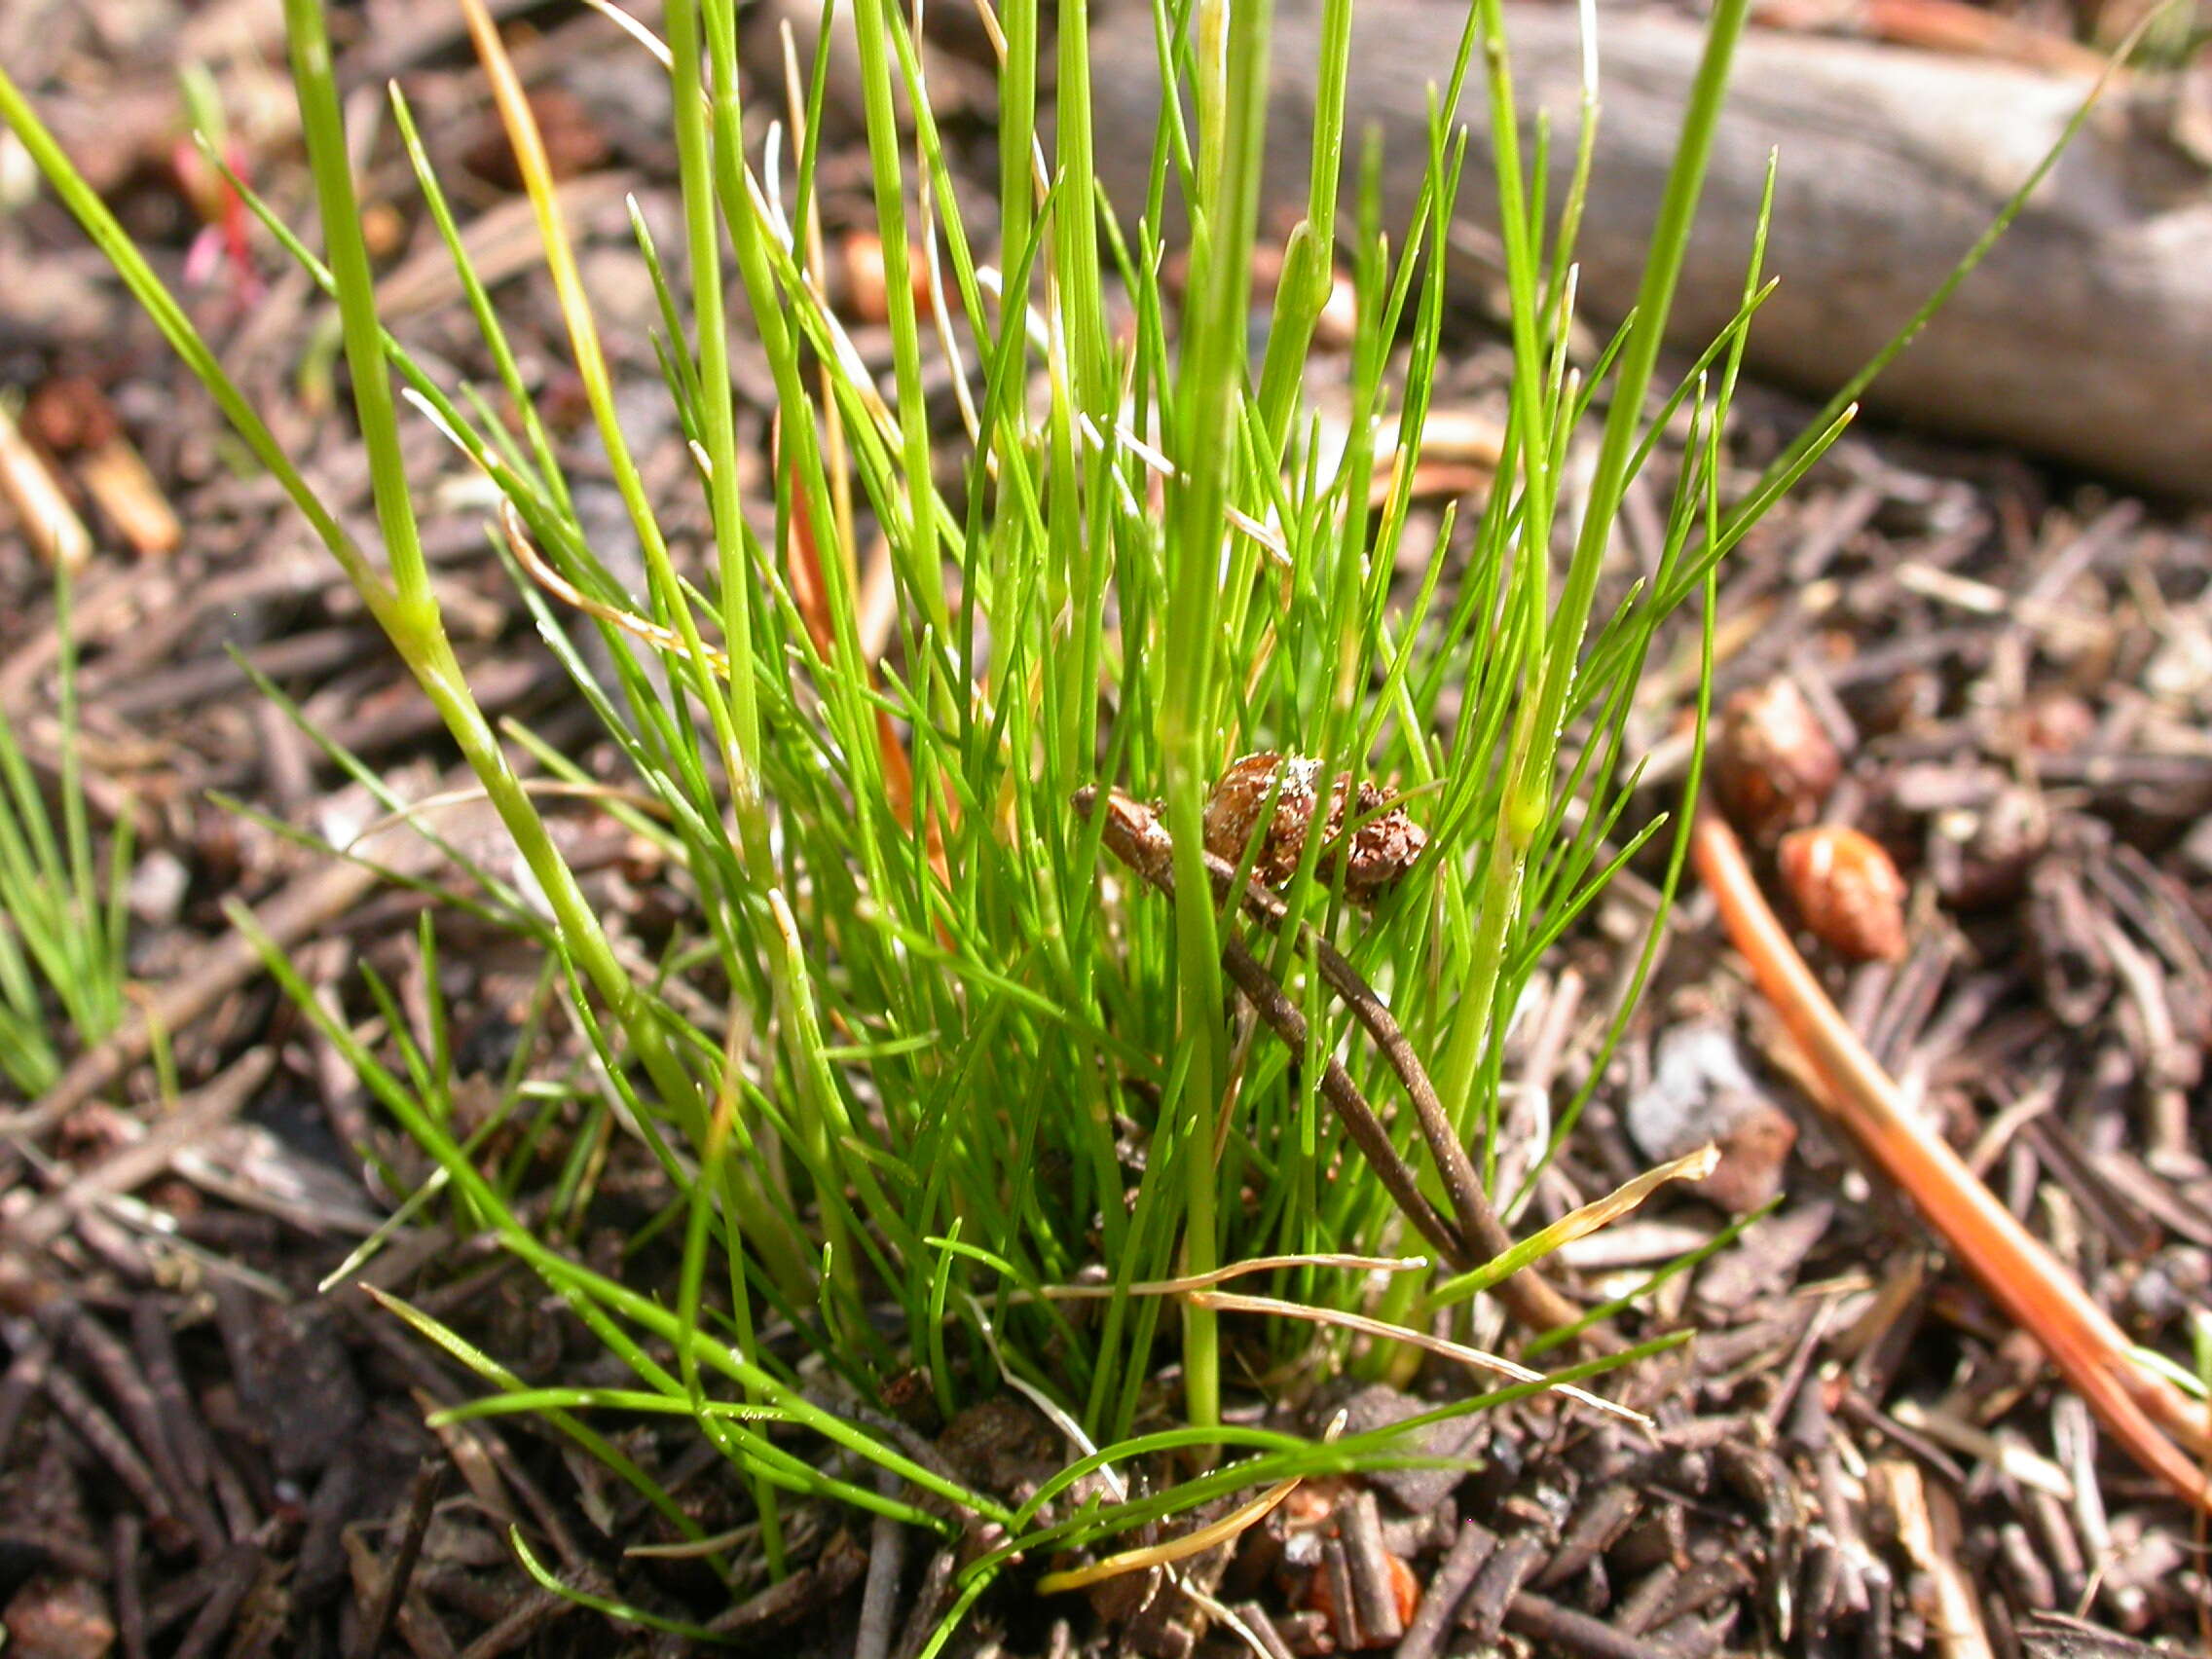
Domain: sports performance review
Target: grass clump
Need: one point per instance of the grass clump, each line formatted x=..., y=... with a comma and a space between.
x=960, y=1063
x=64, y=922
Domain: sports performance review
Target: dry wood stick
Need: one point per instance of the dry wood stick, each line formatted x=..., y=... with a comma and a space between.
x=391, y=1591
x=195, y=1117
x=1479, y=1223
x=1135, y=834
x=2139, y=1407
x=1892, y=162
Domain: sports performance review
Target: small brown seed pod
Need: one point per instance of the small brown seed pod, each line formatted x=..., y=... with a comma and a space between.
x=1773, y=762
x=1383, y=844
x=1848, y=891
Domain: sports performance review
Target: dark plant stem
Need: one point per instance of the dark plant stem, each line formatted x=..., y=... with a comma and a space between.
x=1135, y=834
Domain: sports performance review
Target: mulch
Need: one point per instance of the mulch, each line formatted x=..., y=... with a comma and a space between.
x=204, y=1453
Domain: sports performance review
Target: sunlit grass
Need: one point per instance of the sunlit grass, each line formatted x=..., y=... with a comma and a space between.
x=63, y=918
x=947, y=1026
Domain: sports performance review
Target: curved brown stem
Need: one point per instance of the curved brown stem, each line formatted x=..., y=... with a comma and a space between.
x=1135, y=834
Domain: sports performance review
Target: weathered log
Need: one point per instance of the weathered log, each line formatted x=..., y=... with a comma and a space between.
x=2086, y=337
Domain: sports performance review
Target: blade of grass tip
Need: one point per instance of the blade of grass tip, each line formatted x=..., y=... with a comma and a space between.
x=549, y=472
x=1196, y=1541
x=430, y=399
x=763, y=262
x=433, y=998
x=521, y=1402
x=415, y=611
x=914, y=527
x=1666, y=250
x=500, y=902
x=1562, y=309
x=1739, y=335
x=605, y=1605
x=1686, y=817
x=1079, y=296
x=1309, y=265
x=1461, y=1352
x=680, y=372
x=737, y=725
x=1086, y=399
x=1577, y=1224
x=436, y=1098
x=1280, y=1456
x=1532, y=759
x=1094, y=1520
x=1524, y=311
x=1018, y=182
x=176, y=327
x=740, y=756
x=409, y=616
x=806, y=106
x=1640, y=1295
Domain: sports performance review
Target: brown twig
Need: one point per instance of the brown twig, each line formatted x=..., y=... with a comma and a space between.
x=236, y=1570
x=129, y=1539
x=1927, y=1522
x=196, y=1117
x=1470, y=1549
x=2138, y=1406
x=1479, y=1223
x=1135, y=834
x=415, y=1524
x=886, y=1566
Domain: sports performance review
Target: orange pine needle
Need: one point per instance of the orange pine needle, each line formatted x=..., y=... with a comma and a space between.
x=2139, y=1407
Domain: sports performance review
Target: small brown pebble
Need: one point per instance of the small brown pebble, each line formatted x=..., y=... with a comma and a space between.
x=866, y=294
x=1700, y=1091
x=908, y=1396
x=1847, y=889
x=867, y=297
x=1773, y=762
x=58, y=1618
x=1980, y=857
x=68, y=413
x=1754, y=1153
x=384, y=228
x=2055, y=722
